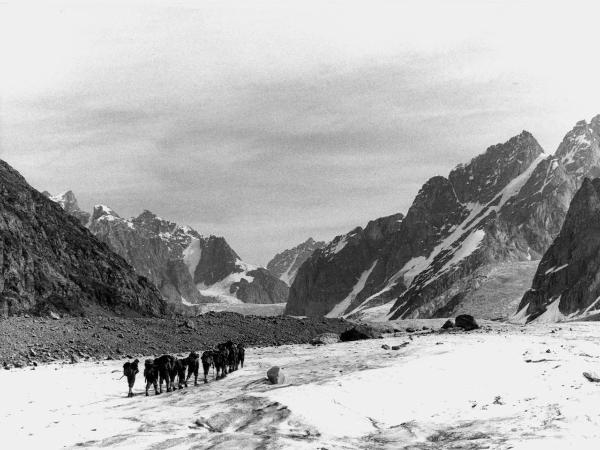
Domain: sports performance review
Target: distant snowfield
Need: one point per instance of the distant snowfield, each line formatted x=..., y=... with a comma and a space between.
x=441, y=391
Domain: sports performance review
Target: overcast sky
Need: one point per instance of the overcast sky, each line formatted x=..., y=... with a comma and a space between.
x=271, y=121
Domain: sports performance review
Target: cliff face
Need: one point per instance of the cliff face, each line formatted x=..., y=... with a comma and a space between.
x=285, y=265
x=328, y=278
x=507, y=204
x=50, y=262
x=567, y=281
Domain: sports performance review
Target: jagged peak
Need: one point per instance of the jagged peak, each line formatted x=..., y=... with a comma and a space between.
x=578, y=139
x=146, y=214
x=66, y=200
x=520, y=142
x=103, y=210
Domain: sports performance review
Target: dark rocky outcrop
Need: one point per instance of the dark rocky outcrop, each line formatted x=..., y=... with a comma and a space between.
x=50, y=262
x=285, y=265
x=466, y=322
x=567, y=282
x=359, y=333
x=264, y=288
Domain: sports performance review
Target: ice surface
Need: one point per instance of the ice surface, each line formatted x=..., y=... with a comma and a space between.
x=474, y=390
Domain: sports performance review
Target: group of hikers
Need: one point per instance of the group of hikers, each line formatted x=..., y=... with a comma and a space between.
x=225, y=358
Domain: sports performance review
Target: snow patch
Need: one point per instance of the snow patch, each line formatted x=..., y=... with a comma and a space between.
x=289, y=275
x=552, y=313
x=221, y=290
x=340, y=245
x=521, y=316
x=191, y=255
x=555, y=269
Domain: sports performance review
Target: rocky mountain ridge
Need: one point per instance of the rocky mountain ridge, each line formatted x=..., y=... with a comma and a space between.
x=51, y=263
x=285, y=265
x=566, y=284
x=507, y=204
x=187, y=267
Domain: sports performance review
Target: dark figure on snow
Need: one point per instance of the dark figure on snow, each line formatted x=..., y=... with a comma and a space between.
x=164, y=364
x=151, y=375
x=241, y=354
x=207, y=362
x=130, y=370
x=221, y=360
x=232, y=358
x=192, y=362
x=178, y=370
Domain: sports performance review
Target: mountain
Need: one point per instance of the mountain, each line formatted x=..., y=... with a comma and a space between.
x=50, y=262
x=566, y=284
x=285, y=265
x=506, y=205
x=187, y=267
x=333, y=280
x=68, y=202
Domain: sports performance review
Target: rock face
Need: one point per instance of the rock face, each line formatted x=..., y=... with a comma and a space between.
x=285, y=265
x=507, y=204
x=334, y=279
x=188, y=268
x=567, y=284
x=49, y=262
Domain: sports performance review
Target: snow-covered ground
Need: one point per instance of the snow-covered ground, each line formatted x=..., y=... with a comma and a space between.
x=510, y=387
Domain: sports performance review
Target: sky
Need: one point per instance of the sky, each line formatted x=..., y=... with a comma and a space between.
x=271, y=121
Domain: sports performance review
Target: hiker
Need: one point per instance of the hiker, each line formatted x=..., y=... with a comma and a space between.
x=130, y=370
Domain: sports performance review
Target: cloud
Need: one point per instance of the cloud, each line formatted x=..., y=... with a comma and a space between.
x=266, y=124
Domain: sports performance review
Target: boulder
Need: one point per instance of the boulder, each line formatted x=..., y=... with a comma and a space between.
x=385, y=347
x=448, y=324
x=275, y=375
x=466, y=322
x=325, y=338
x=398, y=347
x=358, y=333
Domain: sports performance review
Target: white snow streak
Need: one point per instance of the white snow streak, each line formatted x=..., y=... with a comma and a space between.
x=552, y=313
x=287, y=277
x=339, y=309
x=191, y=255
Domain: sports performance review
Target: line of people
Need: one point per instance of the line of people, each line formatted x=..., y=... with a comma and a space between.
x=166, y=369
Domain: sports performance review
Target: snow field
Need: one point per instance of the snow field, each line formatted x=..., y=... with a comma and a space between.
x=498, y=389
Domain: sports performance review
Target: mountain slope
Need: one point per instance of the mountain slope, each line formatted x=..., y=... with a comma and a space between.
x=285, y=265
x=187, y=267
x=50, y=262
x=507, y=204
x=567, y=283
